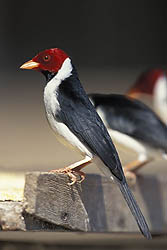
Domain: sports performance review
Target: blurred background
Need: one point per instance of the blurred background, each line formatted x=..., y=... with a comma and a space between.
x=111, y=42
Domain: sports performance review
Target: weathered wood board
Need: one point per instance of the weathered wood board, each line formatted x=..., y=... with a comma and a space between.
x=96, y=204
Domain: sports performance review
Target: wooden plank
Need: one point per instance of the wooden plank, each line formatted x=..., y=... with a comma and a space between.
x=96, y=204
x=48, y=197
x=73, y=240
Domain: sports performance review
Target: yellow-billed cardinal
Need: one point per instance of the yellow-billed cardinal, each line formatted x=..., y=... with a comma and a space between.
x=152, y=83
x=134, y=125
x=75, y=120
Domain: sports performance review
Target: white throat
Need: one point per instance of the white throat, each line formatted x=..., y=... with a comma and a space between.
x=50, y=92
x=160, y=98
x=65, y=70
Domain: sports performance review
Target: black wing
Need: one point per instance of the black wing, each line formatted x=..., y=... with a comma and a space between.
x=81, y=118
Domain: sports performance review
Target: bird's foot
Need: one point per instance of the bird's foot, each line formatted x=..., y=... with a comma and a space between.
x=130, y=177
x=72, y=174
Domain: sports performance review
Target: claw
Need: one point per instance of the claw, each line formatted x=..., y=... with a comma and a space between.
x=82, y=175
x=71, y=173
x=72, y=177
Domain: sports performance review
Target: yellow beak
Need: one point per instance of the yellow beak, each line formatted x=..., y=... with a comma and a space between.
x=30, y=65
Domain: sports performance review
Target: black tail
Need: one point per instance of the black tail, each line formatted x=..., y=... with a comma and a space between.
x=135, y=210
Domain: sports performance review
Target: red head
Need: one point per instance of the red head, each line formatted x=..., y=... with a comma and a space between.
x=48, y=60
x=146, y=82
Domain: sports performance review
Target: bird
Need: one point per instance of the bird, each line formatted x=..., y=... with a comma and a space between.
x=76, y=123
x=152, y=83
x=134, y=125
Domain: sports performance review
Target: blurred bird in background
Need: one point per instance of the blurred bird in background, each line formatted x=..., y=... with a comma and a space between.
x=76, y=123
x=152, y=83
x=135, y=126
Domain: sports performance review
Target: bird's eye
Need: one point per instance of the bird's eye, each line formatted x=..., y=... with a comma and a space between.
x=46, y=58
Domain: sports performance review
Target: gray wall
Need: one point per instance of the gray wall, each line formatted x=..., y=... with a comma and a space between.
x=95, y=33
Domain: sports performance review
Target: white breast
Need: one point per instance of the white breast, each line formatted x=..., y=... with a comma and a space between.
x=160, y=98
x=52, y=107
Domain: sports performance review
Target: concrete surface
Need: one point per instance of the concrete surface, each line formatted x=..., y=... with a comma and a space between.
x=11, y=217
